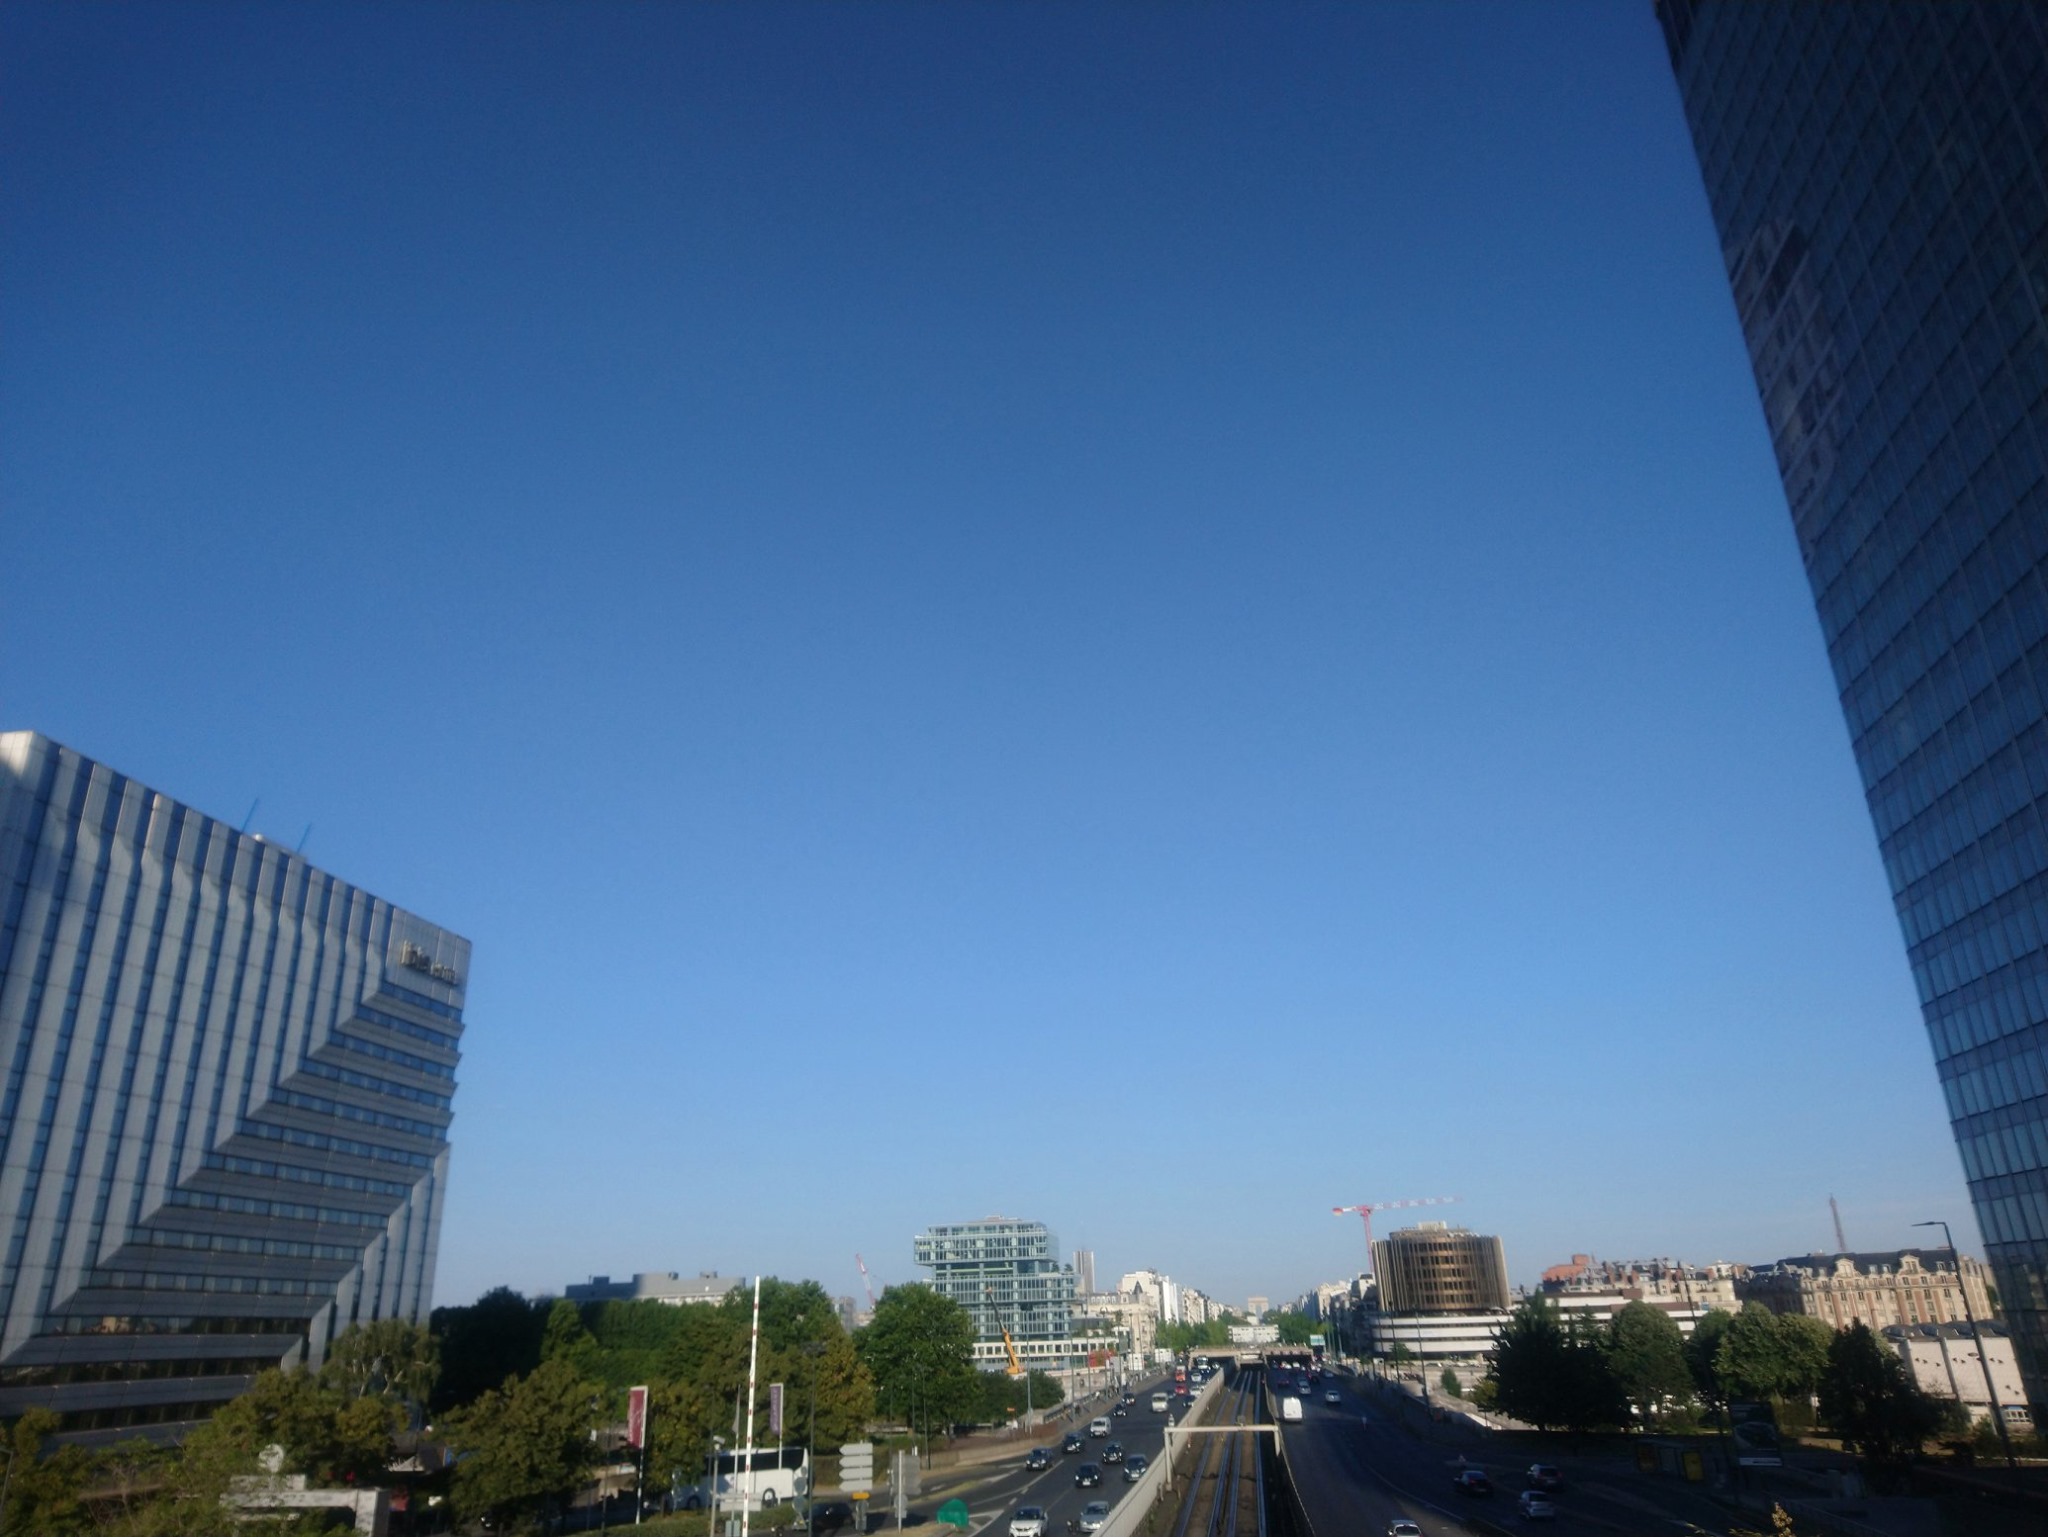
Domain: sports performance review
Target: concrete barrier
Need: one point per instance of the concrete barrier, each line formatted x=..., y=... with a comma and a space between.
x=1129, y=1513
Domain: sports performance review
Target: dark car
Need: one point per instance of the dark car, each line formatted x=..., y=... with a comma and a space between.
x=1088, y=1475
x=1071, y=1444
x=1472, y=1481
x=1545, y=1477
x=1113, y=1452
x=832, y=1515
x=1039, y=1457
x=1121, y=1410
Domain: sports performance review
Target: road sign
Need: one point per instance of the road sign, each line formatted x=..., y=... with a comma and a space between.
x=857, y=1468
x=953, y=1513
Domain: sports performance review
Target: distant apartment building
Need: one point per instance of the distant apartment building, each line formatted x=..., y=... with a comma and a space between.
x=707, y=1287
x=1435, y=1268
x=224, y=1134
x=1133, y=1317
x=1006, y=1274
x=1898, y=1287
x=1084, y=1271
x=1254, y=1334
x=1944, y=1362
x=1598, y=1289
x=1160, y=1290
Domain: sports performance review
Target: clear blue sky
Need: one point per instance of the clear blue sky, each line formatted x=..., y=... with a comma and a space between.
x=1153, y=617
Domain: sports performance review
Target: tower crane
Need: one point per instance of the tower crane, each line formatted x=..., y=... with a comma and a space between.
x=870, y=1285
x=1365, y=1209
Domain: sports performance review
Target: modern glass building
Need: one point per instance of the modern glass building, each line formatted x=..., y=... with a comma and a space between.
x=224, y=1122
x=1007, y=1274
x=1879, y=178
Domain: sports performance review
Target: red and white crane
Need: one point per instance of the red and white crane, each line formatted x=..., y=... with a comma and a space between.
x=870, y=1285
x=1365, y=1209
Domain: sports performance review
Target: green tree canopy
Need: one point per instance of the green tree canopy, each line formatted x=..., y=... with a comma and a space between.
x=1867, y=1396
x=919, y=1349
x=326, y=1435
x=43, y=1491
x=1646, y=1349
x=1703, y=1354
x=493, y=1338
x=1755, y=1359
x=525, y=1447
x=391, y=1358
x=1553, y=1375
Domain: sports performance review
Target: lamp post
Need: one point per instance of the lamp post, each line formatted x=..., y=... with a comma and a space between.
x=1983, y=1359
x=812, y=1349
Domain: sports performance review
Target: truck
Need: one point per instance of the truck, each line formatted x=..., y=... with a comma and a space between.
x=1290, y=1409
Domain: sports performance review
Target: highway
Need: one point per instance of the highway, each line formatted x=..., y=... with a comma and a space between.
x=1376, y=1457
x=994, y=1496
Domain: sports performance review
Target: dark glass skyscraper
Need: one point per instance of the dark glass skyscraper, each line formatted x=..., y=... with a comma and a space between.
x=1879, y=178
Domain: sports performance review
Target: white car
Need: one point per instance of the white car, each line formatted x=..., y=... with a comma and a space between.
x=1332, y=1396
x=1098, y=1428
x=1536, y=1506
x=1029, y=1521
x=1403, y=1529
x=1093, y=1514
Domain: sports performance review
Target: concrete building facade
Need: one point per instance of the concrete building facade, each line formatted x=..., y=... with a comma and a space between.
x=666, y=1286
x=1899, y=1287
x=1945, y=1363
x=1878, y=181
x=224, y=1126
x=1598, y=1289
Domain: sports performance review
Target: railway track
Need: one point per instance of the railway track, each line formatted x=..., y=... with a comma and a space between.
x=1225, y=1490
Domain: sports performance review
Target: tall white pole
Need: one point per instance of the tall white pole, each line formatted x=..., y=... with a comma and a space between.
x=753, y=1362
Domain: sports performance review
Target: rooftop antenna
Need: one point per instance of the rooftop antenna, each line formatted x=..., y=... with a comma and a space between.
x=1841, y=1243
x=252, y=814
x=301, y=848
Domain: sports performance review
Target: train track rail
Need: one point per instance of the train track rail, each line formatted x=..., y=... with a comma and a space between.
x=1224, y=1493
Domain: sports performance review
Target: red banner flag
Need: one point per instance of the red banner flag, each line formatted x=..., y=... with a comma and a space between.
x=636, y=1417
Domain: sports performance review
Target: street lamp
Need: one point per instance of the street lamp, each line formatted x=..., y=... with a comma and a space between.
x=812, y=1349
x=1983, y=1359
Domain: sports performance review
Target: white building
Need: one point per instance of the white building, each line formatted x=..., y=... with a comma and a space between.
x=1944, y=1362
x=665, y=1286
x=1435, y=1337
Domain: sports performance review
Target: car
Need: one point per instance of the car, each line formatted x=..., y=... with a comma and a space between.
x=1093, y=1514
x=1029, y=1521
x=1113, y=1452
x=1134, y=1467
x=1543, y=1476
x=1098, y=1428
x=1403, y=1529
x=1088, y=1475
x=1038, y=1458
x=1071, y=1444
x=1121, y=1410
x=1332, y=1396
x=831, y=1515
x=1472, y=1481
x=1536, y=1506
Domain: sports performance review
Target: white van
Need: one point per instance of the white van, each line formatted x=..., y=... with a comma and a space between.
x=1098, y=1428
x=1159, y=1402
x=1290, y=1409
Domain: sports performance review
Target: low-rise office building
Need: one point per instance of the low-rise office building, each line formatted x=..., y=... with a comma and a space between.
x=1433, y=1267
x=665, y=1286
x=1945, y=1362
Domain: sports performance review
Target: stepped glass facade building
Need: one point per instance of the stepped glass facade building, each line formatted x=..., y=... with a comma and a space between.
x=224, y=1121
x=1878, y=176
x=1007, y=1275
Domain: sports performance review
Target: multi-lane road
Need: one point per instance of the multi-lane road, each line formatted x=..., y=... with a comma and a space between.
x=993, y=1499
x=1376, y=1456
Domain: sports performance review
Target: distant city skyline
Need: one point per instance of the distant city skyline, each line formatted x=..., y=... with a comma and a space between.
x=958, y=598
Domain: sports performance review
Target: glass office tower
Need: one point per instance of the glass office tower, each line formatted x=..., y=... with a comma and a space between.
x=1007, y=1275
x=224, y=1122
x=1879, y=178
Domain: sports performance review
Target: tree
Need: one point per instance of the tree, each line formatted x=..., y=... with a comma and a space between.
x=1451, y=1386
x=325, y=1435
x=1295, y=1328
x=1400, y=1355
x=524, y=1447
x=1754, y=1359
x=43, y=1491
x=1867, y=1397
x=1804, y=1342
x=391, y=1358
x=1703, y=1355
x=1647, y=1352
x=495, y=1337
x=1552, y=1375
x=919, y=1348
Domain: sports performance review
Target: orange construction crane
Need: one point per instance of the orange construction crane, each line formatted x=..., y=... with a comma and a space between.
x=1016, y=1366
x=1365, y=1209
